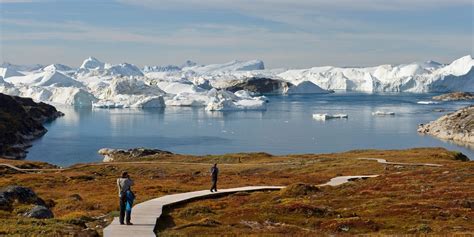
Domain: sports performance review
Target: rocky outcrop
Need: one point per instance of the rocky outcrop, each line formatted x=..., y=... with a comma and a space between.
x=261, y=86
x=111, y=155
x=21, y=121
x=455, y=96
x=457, y=126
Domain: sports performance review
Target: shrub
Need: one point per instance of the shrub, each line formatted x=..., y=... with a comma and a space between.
x=299, y=189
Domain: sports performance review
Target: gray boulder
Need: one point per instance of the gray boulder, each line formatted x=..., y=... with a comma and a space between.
x=39, y=212
x=23, y=195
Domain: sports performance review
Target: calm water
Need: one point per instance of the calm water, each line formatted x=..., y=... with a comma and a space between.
x=286, y=127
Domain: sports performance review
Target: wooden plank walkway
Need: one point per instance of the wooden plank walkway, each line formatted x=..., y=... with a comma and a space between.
x=145, y=214
x=383, y=161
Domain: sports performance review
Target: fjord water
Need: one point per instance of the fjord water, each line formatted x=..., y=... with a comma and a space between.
x=285, y=127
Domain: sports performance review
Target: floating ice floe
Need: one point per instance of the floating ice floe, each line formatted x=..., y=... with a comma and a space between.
x=427, y=102
x=221, y=100
x=328, y=116
x=382, y=113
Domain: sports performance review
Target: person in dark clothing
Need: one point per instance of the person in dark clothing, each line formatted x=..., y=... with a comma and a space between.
x=214, y=174
x=124, y=183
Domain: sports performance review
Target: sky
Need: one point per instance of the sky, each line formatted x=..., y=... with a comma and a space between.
x=282, y=33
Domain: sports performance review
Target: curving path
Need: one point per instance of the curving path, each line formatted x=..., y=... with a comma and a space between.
x=344, y=179
x=28, y=170
x=383, y=161
x=146, y=214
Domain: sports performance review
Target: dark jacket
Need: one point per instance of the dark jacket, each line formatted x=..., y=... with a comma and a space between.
x=214, y=173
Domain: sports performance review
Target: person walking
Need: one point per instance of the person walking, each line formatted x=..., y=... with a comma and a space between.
x=214, y=174
x=124, y=184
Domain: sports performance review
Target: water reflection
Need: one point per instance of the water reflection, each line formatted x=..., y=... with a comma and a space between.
x=286, y=127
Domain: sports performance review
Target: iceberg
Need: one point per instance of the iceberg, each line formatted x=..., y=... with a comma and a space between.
x=129, y=93
x=57, y=79
x=235, y=85
x=91, y=63
x=59, y=95
x=382, y=113
x=188, y=100
x=58, y=67
x=230, y=105
x=167, y=68
x=123, y=69
x=306, y=87
x=429, y=102
x=235, y=65
x=226, y=101
x=178, y=87
x=7, y=72
x=22, y=68
x=328, y=116
x=414, y=77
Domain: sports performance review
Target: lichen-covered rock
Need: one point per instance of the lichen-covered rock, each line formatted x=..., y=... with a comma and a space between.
x=457, y=126
x=39, y=212
x=454, y=96
x=111, y=155
x=23, y=195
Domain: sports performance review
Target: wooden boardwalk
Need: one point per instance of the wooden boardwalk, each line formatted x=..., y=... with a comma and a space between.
x=383, y=161
x=146, y=214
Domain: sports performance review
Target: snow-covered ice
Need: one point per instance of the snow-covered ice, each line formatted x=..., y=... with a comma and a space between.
x=382, y=113
x=429, y=102
x=329, y=116
x=7, y=72
x=235, y=85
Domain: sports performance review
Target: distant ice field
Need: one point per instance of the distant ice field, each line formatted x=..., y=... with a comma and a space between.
x=285, y=127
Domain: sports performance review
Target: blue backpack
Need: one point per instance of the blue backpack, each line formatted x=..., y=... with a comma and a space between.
x=130, y=197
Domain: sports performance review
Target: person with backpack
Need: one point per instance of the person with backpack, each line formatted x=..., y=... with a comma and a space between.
x=214, y=174
x=124, y=184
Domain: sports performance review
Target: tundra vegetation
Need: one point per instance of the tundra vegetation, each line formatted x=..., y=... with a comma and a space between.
x=402, y=200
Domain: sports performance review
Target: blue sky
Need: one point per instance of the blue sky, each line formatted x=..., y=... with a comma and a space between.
x=283, y=33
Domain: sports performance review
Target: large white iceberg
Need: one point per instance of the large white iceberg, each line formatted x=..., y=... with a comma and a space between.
x=414, y=77
x=130, y=92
